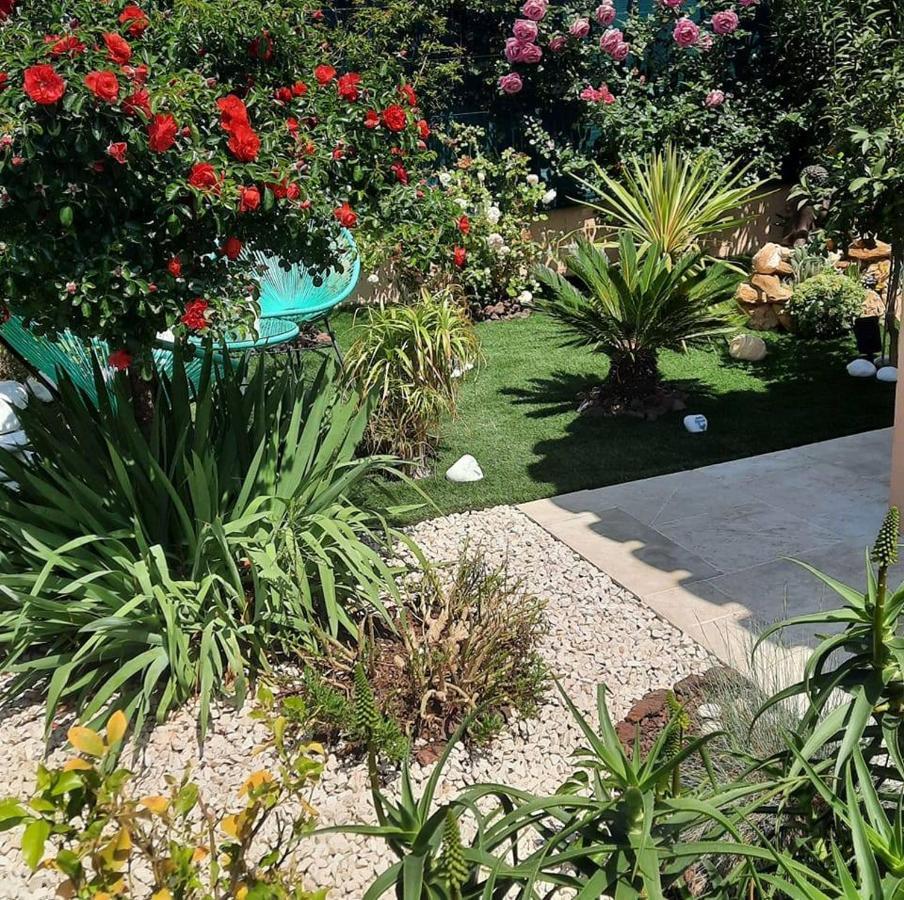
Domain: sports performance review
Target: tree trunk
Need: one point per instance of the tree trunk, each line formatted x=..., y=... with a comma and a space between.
x=891, y=296
x=142, y=390
x=633, y=375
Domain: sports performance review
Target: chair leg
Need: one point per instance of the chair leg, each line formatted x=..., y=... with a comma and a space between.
x=335, y=343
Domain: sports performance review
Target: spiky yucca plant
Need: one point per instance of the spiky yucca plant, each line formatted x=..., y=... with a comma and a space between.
x=667, y=200
x=633, y=308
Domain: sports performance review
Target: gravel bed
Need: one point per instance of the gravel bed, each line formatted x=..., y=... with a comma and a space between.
x=598, y=632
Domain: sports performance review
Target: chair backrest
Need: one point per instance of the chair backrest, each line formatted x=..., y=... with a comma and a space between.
x=294, y=293
x=49, y=354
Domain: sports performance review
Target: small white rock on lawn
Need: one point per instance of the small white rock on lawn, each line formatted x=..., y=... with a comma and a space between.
x=598, y=632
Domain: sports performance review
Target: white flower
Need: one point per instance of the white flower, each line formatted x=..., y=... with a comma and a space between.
x=525, y=298
x=445, y=179
x=504, y=250
x=549, y=196
x=533, y=180
x=494, y=214
x=481, y=176
x=373, y=278
x=495, y=241
x=462, y=202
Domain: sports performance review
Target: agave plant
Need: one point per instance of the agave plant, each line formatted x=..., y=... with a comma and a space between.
x=632, y=308
x=137, y=571
x=666, y=200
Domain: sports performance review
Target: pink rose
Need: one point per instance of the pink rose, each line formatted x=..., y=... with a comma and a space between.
x=511, y=83
x=671, y=4
x=557, y=43
x=513, y=49
x=597, y=95
x=579, y=28
x=525, y=30
x=620, y=51
x=605, y=14
x=534, y=9
x=725, y=22
x=686, y=32
x=749, y=2
x=705, y=42
x=611, y=39
x=714, y=99
x=530, y=53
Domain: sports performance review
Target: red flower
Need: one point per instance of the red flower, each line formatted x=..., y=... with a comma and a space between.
x=261, y=47
x=194, y=316
x=120, y=360
x=69, y=44
x=299, y=89
x=459, y=256
x=4, y=80
x=244, y=144
x=6, y=8
x=118, y=151
x=118, y=49
x=104, y=85
x=338, y=152
x=310, y=148
x=345, y=216
x=44, y=85
x=249, y=199
x=283, y=95
x=324, y=74
x=232, y=248
x=292, y=125
x=162, y=132
x=136, y=19
x=204, y=177
x=233, y=113
x=394, y=117
x=400, y=172
x=137, y=102
x=407, y=91
x=174, y=267
x=348, y=86
x=423, y=129
x=464, y=225
x=371, y=119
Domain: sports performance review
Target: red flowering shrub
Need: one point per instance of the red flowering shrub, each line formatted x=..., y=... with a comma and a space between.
x=143, y=145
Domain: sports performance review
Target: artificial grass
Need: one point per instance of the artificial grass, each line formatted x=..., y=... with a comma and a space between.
x=517, y=414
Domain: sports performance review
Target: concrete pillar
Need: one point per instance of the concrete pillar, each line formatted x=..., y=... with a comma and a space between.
x=897, y=443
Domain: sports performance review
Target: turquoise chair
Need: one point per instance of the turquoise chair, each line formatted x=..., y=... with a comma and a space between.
x=293, y=294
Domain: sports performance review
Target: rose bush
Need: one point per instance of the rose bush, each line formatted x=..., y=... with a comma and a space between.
x=143, y=147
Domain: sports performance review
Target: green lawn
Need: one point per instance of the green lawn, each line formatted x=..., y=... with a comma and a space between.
x=517, y=414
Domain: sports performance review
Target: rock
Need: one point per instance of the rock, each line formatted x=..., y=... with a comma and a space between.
x=696, y=424
x=747, y=294
x=458, y=371
x=464, y=470
x=762, y=317
x=887, y=373
x=14, y=393
x=9, y=421
x=747, y=347
x=651, y=704
x=15, y=440
x=861, y=368
x=767, y=259
x=873, y=305
x=771, y=286
x=38, y=390
x=709, y=711
x=866, y=252
x=785, y=319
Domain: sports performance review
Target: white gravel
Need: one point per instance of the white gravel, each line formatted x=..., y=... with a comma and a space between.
x=598, y=632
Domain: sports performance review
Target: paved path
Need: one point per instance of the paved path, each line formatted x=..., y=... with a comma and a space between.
x=707, y=548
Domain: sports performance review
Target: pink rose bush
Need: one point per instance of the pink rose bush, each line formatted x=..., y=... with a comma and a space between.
x=511, y=83
x=534, y=9
x=714, y=99
x=686, y=32
x=725, y=22
x=525, y=30
x=605, y=14
x=602, y=94
x=579, y=28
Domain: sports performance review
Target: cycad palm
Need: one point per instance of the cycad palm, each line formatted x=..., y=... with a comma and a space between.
x=632, y=308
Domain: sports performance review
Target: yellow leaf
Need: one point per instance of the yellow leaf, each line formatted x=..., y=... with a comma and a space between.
x=116, y=727
x=116, y=854
x=86, y=740
x=155, y=804
x=101, y=895
x=255, y=780
x=316, y=748
x=199, y=854
x=241, y=893
x=162, y=894
x=77, y=763
x=230, y=825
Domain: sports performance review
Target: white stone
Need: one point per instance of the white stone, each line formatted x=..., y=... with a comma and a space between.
x=9, y=421
x=887, y=373
x=696, y=424
x=14, y=393
x=14, y=440
x=747, y=347
x=459, y=370
x=709, y=710
x=464, y=470
x=38, y=389
x=861, y=368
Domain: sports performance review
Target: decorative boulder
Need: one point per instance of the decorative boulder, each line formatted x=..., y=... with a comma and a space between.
x=887, y=373
x=14, y=393
x=464, y=470
x=9, y=420
x=772, y=287
x=747, y=347
x=768, y=259
x=14, y=441
x=861, y=368
x=696, y=424
x=38, y=390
